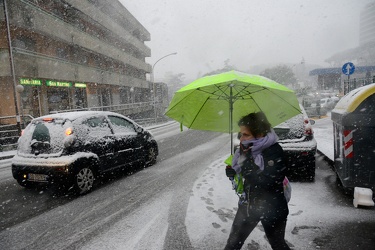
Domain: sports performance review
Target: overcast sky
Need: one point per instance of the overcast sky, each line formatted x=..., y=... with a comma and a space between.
x=205, y=33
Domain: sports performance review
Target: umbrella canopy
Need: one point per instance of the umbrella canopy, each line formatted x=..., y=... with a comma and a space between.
x=217, y=102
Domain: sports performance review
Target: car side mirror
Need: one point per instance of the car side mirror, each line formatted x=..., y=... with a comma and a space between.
x=139, y=129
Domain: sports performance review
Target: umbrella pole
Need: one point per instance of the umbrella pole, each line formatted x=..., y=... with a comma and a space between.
x=231, y=118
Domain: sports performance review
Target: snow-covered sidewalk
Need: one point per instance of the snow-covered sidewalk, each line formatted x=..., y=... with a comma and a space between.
x=7, y=154
x=323, y=133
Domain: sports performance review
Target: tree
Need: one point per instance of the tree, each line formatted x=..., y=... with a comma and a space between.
x=227, y=67
x=174, y=79
x=174, y=82
x=282, y=74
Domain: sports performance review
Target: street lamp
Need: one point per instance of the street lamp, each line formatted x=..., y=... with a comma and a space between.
x=153, y=82
x=20, y=89
x=11, y=61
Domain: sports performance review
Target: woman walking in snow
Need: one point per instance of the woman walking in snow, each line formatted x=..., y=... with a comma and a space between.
x=259, y=160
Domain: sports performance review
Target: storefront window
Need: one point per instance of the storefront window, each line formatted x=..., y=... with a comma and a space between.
x=30, y=101
x=80, y=98
x=58, y=99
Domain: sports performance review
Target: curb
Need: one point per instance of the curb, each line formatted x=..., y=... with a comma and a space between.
x=7, y=154
x=6, y=157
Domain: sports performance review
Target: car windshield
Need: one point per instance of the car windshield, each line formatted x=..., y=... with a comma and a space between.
x=43, y=137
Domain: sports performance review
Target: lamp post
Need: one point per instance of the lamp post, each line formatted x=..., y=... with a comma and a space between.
x=153, y=82
x=20, y=89
x=11, y=61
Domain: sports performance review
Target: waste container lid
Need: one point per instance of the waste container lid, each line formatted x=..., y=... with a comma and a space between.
x=353, y=99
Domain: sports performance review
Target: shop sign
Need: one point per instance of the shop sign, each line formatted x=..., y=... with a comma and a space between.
x=80, y=85
x=58, y=84
x=28, y=81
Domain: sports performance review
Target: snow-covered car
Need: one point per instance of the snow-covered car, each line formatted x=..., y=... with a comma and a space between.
x=72, y=149
x=296, y=137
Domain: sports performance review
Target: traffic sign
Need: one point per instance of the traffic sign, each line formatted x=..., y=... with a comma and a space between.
x=348, y=68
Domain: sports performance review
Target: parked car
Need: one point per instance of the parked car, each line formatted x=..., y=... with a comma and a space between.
x=72, y=149
x=328, y=103
x=296, y=137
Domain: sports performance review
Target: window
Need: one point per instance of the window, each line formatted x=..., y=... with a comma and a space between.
x=98, y=127
x=121, y=125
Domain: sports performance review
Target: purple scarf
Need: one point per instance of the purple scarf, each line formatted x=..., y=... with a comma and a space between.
x=259, y=144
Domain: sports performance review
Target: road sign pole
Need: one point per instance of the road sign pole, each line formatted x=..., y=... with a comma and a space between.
x=347, y=69
x=347, y=86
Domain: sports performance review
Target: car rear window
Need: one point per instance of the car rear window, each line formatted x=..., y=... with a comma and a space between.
x=291, y=129
x=43, y=137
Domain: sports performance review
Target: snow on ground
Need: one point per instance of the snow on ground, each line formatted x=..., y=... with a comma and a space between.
x=212, y=208
x=137, y=231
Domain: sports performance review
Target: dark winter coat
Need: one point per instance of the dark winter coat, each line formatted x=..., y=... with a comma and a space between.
x=264, y=189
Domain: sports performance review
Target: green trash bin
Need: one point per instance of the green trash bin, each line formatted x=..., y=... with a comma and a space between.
x=354, y=138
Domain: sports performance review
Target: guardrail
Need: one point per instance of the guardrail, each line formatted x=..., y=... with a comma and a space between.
x=118, y=107
x=23, y=117
x=9, y=132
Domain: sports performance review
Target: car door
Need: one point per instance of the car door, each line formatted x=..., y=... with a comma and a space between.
x=100, y=140
x=128, y=148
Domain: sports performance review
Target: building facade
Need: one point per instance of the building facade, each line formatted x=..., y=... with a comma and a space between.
x=363, y=57
x=367, y=25
x=72, y=54
x=333, y=79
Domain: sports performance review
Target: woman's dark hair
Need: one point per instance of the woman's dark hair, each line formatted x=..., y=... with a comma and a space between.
x=257, y=123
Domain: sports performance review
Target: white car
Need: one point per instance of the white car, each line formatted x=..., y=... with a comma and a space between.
x=329, y=102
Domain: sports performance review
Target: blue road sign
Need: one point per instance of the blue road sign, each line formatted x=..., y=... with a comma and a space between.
x=348, y=68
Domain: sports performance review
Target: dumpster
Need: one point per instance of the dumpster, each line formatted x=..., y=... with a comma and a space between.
x=354, y=138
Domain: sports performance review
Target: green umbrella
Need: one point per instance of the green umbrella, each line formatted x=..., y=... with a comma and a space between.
x=217, y=102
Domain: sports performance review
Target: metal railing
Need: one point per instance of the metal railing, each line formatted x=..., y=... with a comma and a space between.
x=356, y=83
x=119, y=107
x=9, y=132
x=24, y=118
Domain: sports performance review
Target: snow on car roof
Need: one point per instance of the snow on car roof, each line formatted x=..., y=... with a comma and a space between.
x=76, y=114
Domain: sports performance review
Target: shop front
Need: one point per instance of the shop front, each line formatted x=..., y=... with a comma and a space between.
x=43, y=96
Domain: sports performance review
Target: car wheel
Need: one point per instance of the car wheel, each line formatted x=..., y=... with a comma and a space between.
x=152, y=153
x=84, y=180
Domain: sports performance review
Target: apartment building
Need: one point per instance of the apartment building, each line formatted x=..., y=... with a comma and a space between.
x=367, y=24
x=71, y=54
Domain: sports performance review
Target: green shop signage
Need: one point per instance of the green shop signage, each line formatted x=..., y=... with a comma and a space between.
x=28, y=81
x=58, y=84
x=80, y=85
